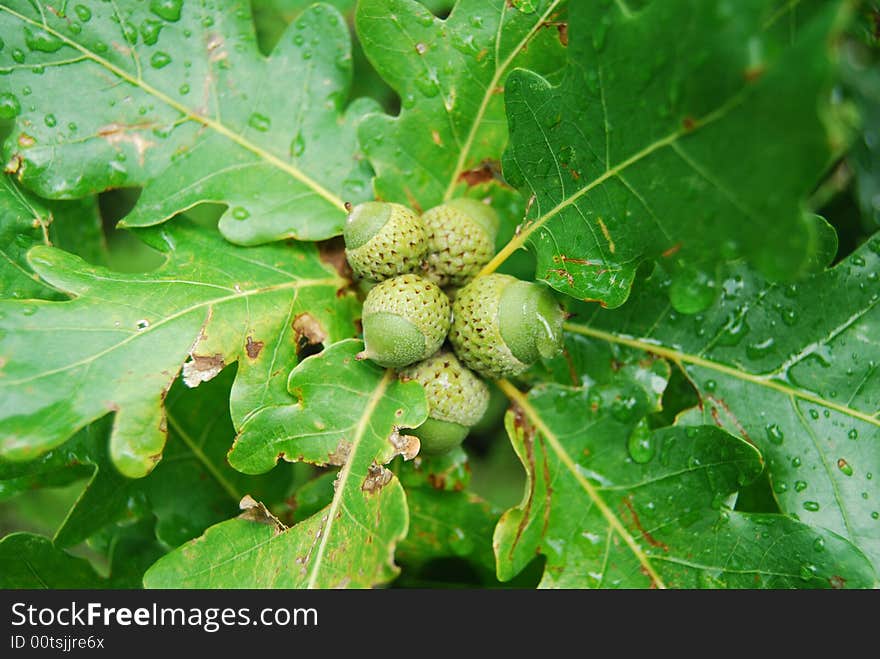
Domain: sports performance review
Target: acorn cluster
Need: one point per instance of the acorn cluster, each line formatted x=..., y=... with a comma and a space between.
x=496, y=325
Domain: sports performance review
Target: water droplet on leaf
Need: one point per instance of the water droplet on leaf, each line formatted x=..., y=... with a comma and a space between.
x=83, y=13
x=259, y=122
x=39, y=39
x=167, y=9
x=775, y=434
x=160, y=60
x=9, y=106
x=641, y=443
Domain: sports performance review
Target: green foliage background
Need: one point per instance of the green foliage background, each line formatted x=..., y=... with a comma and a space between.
x=179, y=401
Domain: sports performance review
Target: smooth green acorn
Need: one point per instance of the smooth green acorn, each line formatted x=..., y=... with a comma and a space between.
x=502, y=325
x=461, y=240
x=457, y=399
x=405, y=320
x=383, y=240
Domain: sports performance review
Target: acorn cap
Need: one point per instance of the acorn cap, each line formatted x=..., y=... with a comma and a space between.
x=461, y=240
x=405, y=319
x=383, y=240
x=502, y=325
x=457, y=399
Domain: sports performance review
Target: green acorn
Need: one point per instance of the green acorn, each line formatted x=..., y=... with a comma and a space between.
x=457, y=399
x=405, y=320
x=502, y=325
x=461, y=240
x=384, y=240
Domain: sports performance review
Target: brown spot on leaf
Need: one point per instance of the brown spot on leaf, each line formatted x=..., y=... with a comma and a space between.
x=339, y=455
x=837, y=582
x=15, y=163
x=607, y=235
x=527, y=432
x=377, y=478
x=435, y=136
x=406, y=445
x=117, y=134
x=572, y=371
x=488, y=170
x=25, y=140
x=254, y=511
x=309, y=335
x=563, y=273
x=253, y=348
x=689, y=123
x=562, y=29
x=671, y=251
x=651, y=540
x=202, y=368
x=733, y=418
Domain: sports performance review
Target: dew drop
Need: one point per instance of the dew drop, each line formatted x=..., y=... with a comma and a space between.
x=150, y=31
x=130, y=32
x=853, y=434
x=297, y=146
x=100, y=47
x=814, y=414
x=83, y=13
x=795, y=462
x=789, y=317
x=875, y=515
x=641, y=443
x=780, y=486
x=845, y=467
x=167, y=9
x=50, y=120
x=18, y=55
x=184, y=90
x=692, y=291
x=143, y=324
x=160, y=60
x=710, y=385
x=29, y=311
x=812, y=506
x=240, y=213
x=800, y=486
x=775, y=434
x=39, y=39
x=259, y=122
x=9, y=106
x=808, y=572
x=819, y=544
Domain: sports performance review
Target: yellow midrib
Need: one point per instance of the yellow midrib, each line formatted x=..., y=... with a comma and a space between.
x=345, y=473
x=680, y=357
x=295, y=284
x=614, y=522
x=208, y=122
x=500, y=70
